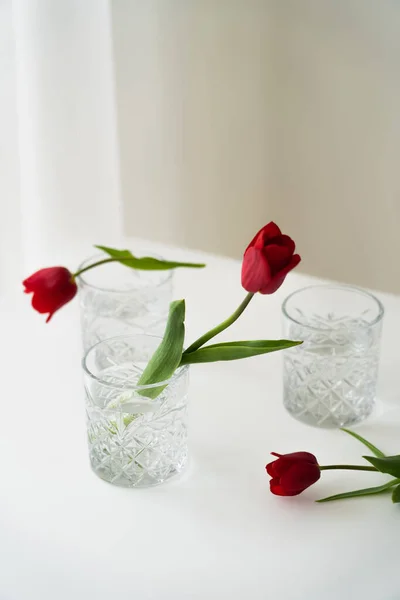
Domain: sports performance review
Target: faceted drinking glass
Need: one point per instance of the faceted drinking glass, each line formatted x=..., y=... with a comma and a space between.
x=117, y=300
x=134, y=440
x=330, y=380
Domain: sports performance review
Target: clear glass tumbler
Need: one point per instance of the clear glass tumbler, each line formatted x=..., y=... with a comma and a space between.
x=330, y=380
x=134, y=440
x=116, y=300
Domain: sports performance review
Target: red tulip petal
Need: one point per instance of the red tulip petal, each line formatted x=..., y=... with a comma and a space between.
x=256, y=273
x=40, y=302
x=271, y=469
x=259, y=241
x=277, y=489
x=50, y=278
x=271, y=230
x=277, y=281
x=277, y=467
x=44, y=302
x=284, y=240
x=294, y=261
x=52, y=288
x=59, y=301
x=300, y=476
x=278, y=257
x=38, y=279
x=29, y=282
x=268, y=232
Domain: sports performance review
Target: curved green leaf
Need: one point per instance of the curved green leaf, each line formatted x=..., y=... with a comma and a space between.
x=370, y=446
x=146, y=263
x=167, y=357
x=396, y=495
x=388, y=464
x=235, y=350
x=365, y=492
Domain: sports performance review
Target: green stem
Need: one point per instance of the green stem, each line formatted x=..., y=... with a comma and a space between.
x=224, y=325
x=350, y=467
x=96, y=264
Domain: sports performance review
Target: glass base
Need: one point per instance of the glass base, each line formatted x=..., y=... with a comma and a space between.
x=136, y=477
x=319, y=415
x=145, y=452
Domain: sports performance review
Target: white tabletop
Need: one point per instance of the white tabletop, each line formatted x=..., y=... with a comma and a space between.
x=216, y=532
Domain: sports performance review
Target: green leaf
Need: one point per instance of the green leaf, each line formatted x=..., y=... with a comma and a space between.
x=167, y=357
x=370, y=446
x=396, y=495
x=146, y=263
x=365, y=492
x=388, y=464
x=235, y=350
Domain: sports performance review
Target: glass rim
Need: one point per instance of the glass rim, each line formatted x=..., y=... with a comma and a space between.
x=101, y=288
x=333, y=286
x=179, y=371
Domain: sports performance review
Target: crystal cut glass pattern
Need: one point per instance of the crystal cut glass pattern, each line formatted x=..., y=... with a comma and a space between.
x=116, y=300
x=330, y=380
x=134, y=441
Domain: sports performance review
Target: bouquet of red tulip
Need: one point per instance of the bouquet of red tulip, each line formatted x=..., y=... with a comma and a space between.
x=267, y=260
x=293, y=473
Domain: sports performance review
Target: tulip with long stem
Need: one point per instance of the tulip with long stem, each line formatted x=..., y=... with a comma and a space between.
x=266, y=262
x=53, y=287
x=293, y=473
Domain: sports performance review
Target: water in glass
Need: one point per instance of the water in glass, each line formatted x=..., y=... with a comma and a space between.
x=134, y=441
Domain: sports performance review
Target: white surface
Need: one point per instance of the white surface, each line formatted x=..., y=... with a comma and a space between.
x=215, y=533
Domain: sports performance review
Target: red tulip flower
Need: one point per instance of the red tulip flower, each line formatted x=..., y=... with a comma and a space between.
x=52, y=288
x=292, y=473
x=267, y=260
